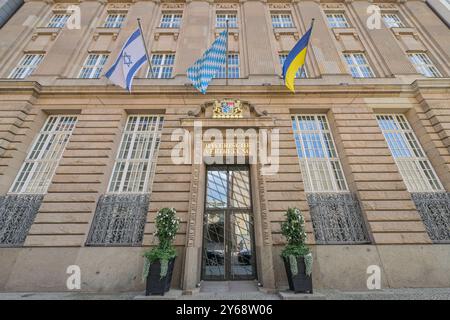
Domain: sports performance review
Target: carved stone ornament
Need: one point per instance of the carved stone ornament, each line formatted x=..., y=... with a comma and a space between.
x=118, y=6
x=226, y=6
x=227, y=109
x=172, y=6
x=279, y=6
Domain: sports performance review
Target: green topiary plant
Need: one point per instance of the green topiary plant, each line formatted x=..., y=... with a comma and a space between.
x=167, y=224
x=293, y=229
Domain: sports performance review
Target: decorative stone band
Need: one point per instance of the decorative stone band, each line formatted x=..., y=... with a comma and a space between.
x=119, y=220
x=434, y=208
x=17, y=213
x=337, y=218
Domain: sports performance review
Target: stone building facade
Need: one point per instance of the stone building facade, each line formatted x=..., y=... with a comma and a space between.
x=364, y=144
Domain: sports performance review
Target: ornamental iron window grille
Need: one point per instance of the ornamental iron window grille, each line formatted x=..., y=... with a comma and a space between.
x=301, y=73
x=412, y=162
x=358, y=65
x=93, y=66
x=138, y=151
x=58, y=20
x=391, y=20
x=337, y=20
x=26, y=66
x=119, y=220
x=171, y=20
x=221, y=20
x=40, y=165
x=424, y=65
x=282, y=20
x=337, y=218
x=233, y=68
x=319, y=161
x=162, y=66
x=17, y=213
x=114, y=20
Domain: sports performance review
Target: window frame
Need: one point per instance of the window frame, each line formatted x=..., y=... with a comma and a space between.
x=302, y=73
x=233, y=69
x=335, y=21
x=160, y=67
x=234, y=25
x=98, y=66
x=360, y=73
x=59, y=24
x=431, y=70
x=172, y=23
x=117, y=22
x=27, y=69
x=281, y=23
x=399, y=23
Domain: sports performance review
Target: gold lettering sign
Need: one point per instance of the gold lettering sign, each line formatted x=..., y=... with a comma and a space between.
x=226, y=149
x=227, y=109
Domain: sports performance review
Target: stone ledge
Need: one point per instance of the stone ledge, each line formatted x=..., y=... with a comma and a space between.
x=173, y=294
x=290, y=295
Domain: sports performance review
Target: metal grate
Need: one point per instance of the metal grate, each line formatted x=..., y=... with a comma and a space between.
x=119, y=220
x=336, y=218
x=434, y=208
x=17, y=213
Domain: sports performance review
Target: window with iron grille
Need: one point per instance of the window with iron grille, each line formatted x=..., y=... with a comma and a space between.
x=221, y=20
x=301, y=73
x=37, y=171
x=409, y=156
x=136, y=159
x=162, y=66
x=358, y=65
x=26, y=66
x=114, y=20
x=337, y=20
x=58, y=20
x=319, y=161
x=282, y=20
x=233, y=68
x=424, y=65
x=93, y=66
x=391, y=20
x=171, y=20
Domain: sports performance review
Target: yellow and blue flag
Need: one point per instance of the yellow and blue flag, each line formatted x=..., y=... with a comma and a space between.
x=295, y=60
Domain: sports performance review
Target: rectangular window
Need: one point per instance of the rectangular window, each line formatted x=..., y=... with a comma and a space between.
x=337, y=20
x=26, y=66
x=411, y=160
x=37, y=171
x=136, y=160
x=171, y=20
x=162, y=66
x=303, y=72
x=424, y=65
x=391, y=20
x=233, y=68
x=358, y=65
x=282, y=20
x=93, y=66
x=319, y=161
x=58, y=20
x=221, y=20
x=114, y=20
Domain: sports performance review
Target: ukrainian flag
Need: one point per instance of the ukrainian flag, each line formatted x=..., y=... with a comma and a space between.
x=295, y=60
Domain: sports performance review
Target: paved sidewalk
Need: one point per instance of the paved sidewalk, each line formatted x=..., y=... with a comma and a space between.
x=324, y=294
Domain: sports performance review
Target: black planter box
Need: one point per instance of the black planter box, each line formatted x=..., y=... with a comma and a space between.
x=155, y=284
x=300, y=283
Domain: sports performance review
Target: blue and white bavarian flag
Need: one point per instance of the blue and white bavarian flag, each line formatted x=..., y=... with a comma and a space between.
x=205, y=68
x=130, y=59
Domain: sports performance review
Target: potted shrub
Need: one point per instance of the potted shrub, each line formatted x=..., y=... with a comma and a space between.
x=296, y=255
x=159, y=261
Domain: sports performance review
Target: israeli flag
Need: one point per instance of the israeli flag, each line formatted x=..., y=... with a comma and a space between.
x=205, y=68
x=131, y=58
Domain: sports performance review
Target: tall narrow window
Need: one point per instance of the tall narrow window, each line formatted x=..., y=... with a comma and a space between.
x=221, y=20
x=40, y=165
x=26, y=66
x=358, y=65
x=93, y=66
x=58, y=20
x=424, y=65
x=411, y=160
x=319, y=160
x=162, y=66
x=391, y=20
x=114, y=20
x=282, y=20
x=233, y=68
x=171, y=20
x=301, y=73
x=337, y=20
x=136, y=159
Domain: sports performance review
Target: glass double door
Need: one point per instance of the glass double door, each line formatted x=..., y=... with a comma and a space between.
x=228, y=244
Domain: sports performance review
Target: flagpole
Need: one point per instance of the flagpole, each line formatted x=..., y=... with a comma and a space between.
x=145, y=47
x=226, y=58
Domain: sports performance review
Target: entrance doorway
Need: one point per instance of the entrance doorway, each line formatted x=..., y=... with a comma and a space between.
x=228, y=238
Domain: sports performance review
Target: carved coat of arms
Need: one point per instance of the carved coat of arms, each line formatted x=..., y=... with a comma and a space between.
x=227, y=109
